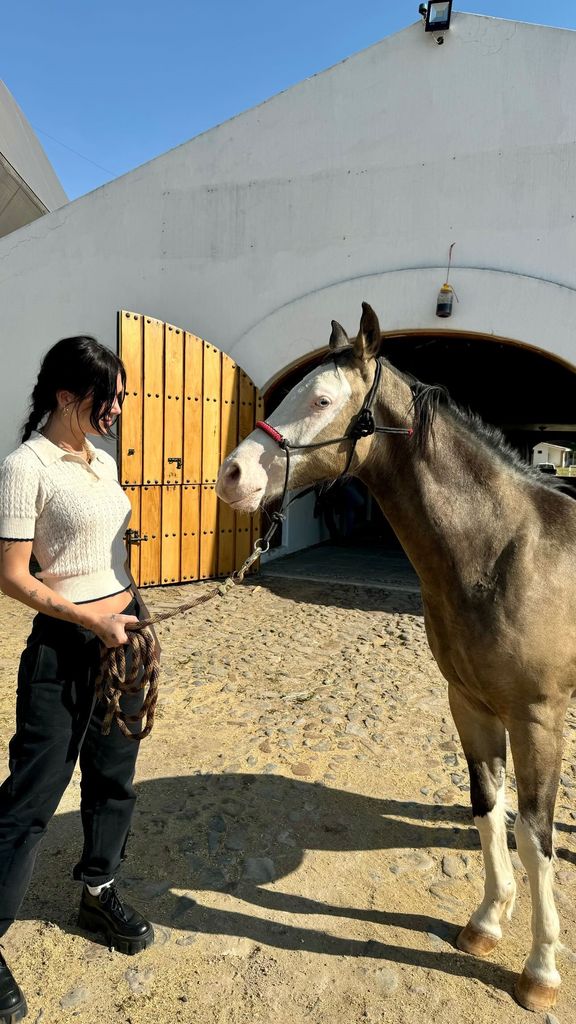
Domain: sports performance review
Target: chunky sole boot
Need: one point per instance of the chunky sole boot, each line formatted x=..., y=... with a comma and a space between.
x=15, y=1014
x=123, y=927
x=12, y=1003
x=122, y=943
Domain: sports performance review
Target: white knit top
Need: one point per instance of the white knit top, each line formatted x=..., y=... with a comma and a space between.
x=75, y=513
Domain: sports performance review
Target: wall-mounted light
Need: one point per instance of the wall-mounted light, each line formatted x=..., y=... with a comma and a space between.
x=437, y=16
x=446, y=295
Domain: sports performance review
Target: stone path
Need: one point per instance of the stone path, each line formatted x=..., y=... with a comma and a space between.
x=363, y=565
x=302, y=838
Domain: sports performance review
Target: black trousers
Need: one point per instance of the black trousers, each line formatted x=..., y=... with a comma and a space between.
x=58, y=721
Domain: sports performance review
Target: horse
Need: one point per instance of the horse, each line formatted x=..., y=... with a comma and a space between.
x=494, y=545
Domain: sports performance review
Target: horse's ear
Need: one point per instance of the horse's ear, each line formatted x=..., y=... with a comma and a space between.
x=367, y=344
x=338, y=339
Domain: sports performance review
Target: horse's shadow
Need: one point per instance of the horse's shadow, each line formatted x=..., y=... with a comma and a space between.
x=340, y=593
x=231, y=833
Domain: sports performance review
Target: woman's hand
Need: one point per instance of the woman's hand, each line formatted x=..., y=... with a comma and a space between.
x=111, y=629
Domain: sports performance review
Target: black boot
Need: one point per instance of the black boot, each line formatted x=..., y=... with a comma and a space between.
x=12, y=1003
x=125, y=929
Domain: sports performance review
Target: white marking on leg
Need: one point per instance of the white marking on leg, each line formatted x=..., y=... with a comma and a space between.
x=541, y=962
x=499, y=886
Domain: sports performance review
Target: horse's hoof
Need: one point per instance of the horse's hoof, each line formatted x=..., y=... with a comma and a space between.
x=532, y=995
x=470, y=940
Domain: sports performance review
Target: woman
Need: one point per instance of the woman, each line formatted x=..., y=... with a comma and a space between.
x=60, y=500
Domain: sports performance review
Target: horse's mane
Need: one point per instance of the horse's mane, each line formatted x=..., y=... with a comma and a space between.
x=426, y=400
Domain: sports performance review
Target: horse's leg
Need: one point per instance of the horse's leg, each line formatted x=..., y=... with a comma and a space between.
x=484, y=741
x=537, y=752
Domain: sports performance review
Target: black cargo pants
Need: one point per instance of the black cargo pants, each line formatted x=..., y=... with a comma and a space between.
x=58, y=721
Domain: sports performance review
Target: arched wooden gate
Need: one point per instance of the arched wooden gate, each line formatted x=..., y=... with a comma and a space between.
x=187, y=405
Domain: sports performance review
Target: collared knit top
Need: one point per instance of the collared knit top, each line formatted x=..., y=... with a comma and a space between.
x=75, y=513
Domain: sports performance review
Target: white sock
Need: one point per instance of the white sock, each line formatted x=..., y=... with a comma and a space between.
x=95, y=890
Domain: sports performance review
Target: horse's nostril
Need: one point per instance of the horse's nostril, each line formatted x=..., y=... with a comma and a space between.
x=233, y=473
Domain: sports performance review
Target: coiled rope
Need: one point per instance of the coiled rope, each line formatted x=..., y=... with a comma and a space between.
x=112, y=683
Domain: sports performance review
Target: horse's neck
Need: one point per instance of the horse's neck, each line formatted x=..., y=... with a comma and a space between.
x=454, y=508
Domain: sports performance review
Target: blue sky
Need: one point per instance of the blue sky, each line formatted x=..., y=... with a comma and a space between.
x=122, y=81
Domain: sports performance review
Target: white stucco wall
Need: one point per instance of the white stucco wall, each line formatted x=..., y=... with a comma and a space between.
x=299, y=530
x=348, y=186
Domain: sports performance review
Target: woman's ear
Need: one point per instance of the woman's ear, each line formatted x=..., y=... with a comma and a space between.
x=64, y=398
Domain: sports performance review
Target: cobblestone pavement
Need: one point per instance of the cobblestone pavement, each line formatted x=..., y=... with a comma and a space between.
x=366, y=565
x=302, y=839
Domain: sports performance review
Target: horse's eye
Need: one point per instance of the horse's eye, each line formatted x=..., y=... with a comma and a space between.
x=323, y=402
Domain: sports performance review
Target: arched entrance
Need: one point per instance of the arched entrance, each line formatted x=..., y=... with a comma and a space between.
x=187, y=405
x=525, y=392
x=528, y=394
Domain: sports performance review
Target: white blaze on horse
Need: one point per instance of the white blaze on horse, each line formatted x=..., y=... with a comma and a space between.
x=494, y=546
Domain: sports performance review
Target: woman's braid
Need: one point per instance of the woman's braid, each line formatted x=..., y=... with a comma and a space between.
x=40, y=404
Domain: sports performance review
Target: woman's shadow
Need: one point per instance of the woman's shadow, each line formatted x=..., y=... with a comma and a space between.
x=235, y=832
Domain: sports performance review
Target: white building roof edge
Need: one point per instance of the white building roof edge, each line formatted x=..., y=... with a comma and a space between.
x=22, y=150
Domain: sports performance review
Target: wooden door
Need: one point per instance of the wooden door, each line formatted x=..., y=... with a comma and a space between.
x=187, y=405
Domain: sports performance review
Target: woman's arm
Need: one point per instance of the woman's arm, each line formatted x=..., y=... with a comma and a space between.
x=16, y=581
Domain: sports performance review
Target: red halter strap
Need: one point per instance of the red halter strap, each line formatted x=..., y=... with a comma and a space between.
x=270, y=431
x=362, y=426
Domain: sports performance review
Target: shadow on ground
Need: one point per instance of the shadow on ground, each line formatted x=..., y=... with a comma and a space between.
x=332, y=593
x=232, y=833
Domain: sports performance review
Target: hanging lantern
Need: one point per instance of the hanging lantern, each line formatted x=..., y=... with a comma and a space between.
x=446, y=294
x=445, y=300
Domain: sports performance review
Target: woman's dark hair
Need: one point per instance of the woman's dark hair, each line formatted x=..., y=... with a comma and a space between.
x=80, y=365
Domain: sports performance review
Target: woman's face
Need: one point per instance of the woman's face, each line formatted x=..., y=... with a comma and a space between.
x=80, y=414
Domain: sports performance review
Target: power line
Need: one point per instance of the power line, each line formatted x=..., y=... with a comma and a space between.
x=113, y=174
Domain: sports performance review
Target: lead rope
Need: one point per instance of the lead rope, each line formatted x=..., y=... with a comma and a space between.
x=112, y=682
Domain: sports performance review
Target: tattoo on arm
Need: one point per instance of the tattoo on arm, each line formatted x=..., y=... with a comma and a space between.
x=57, y=607
x=7, y=544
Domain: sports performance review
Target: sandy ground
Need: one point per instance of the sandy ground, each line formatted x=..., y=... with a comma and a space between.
x=302, y=840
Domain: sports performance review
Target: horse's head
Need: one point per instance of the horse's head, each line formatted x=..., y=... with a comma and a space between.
x=320, y=408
